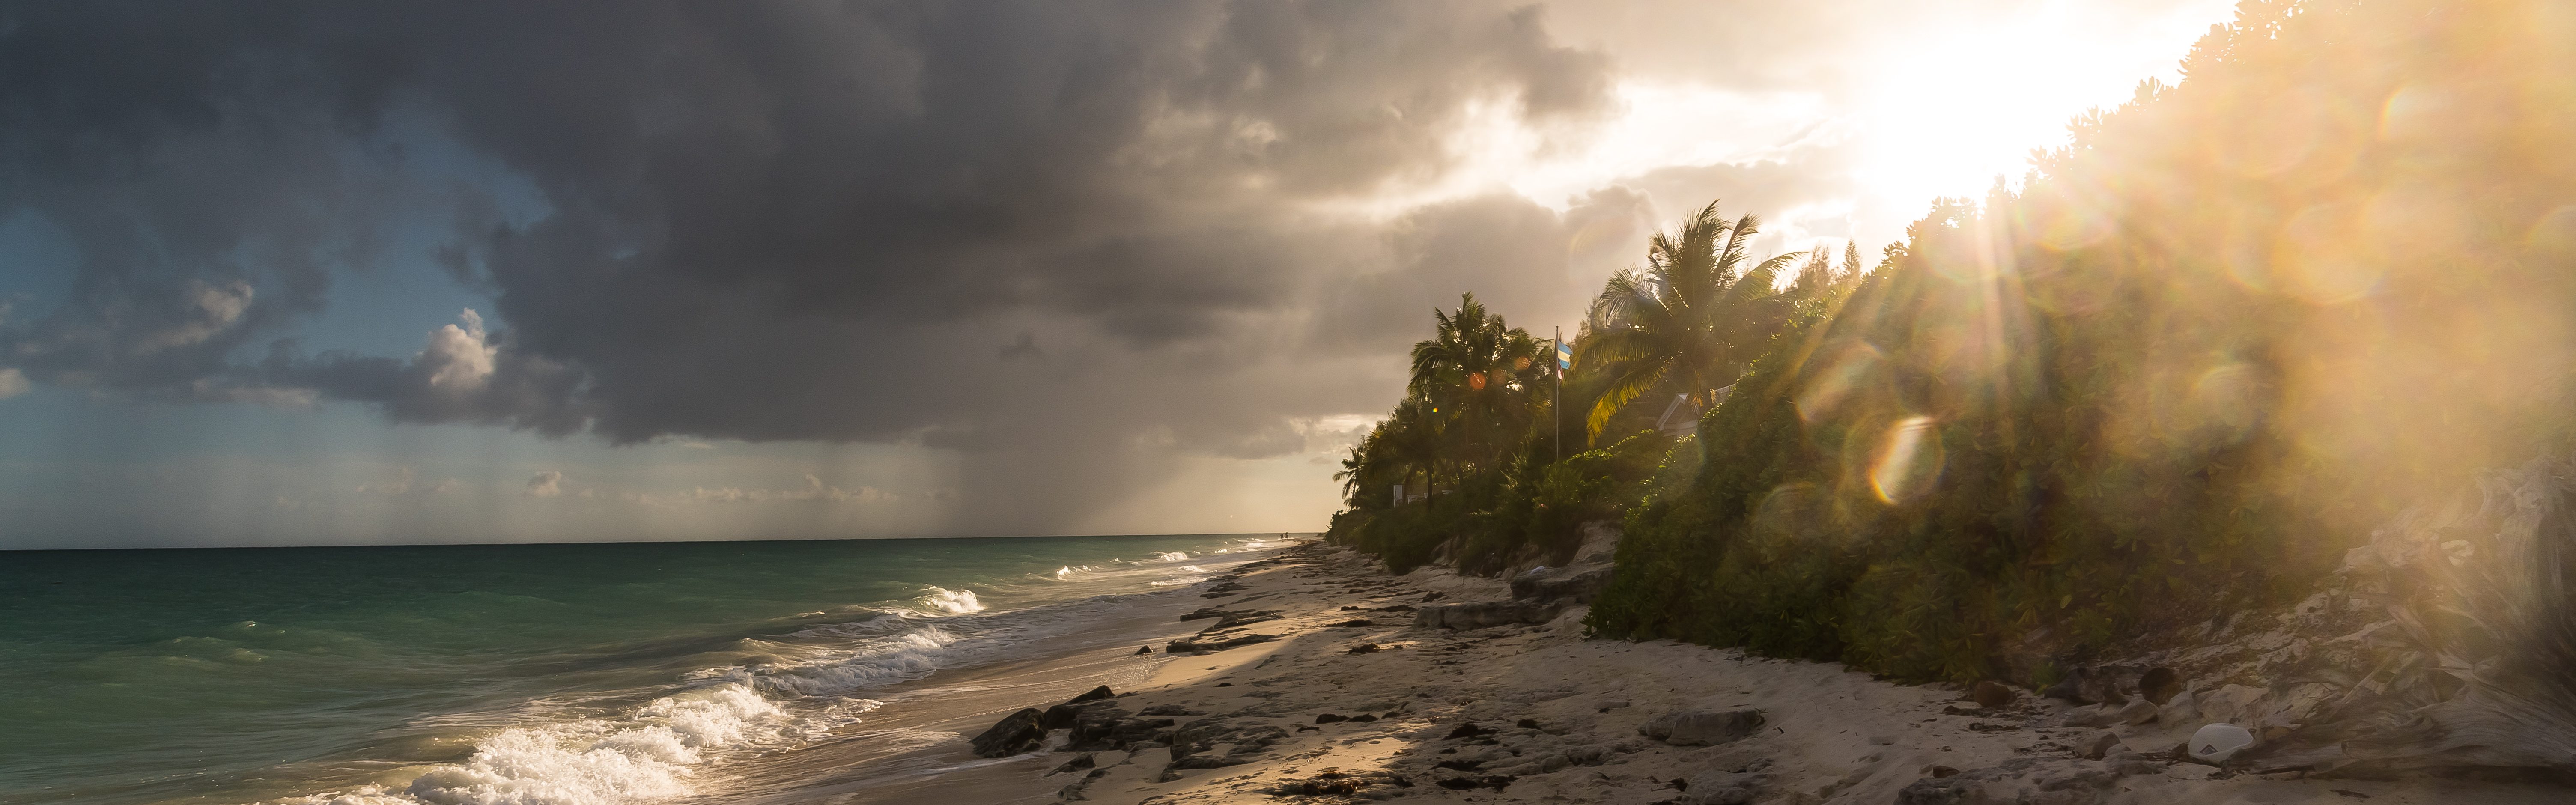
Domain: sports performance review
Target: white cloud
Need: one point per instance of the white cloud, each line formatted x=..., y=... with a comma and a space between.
x=545, y=484
x=12, y=383
x=462, y=355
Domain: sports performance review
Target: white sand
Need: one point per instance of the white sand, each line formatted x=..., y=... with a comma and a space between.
x=1830, y=735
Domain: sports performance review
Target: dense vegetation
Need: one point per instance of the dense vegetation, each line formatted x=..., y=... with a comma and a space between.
x=2198, y=354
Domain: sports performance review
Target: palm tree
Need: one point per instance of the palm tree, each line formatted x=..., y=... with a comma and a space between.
x=1481, y=373
x=1690, y=320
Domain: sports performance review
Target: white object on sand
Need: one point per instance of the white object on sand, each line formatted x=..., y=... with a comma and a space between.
x=2215, y=743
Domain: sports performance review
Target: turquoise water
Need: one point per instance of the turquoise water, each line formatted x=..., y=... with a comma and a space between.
x=588, y=673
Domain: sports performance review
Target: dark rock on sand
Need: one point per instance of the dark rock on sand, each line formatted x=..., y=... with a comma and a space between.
x=1229, y=620
x=1217, y=643
x=1193, y=743
x=1015, y=733
x=1144, y=650
x=1468, y=731
x=1354, y=624
x=1494, y=781
x=1099, y=725
x=2160, y=685
x=1364, y=648
x=1078, y=763
x=1991, y=693
x=2096, y=745
x=1093, y=695
x=1329, y=718
x=1702, y=728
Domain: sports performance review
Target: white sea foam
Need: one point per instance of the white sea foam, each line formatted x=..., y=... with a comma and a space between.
x=953, y=602
x=646, y=756
x=801, y=692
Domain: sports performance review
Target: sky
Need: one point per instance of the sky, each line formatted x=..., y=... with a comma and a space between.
x=461, y=272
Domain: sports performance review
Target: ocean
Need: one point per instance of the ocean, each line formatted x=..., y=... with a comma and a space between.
x=579, y=674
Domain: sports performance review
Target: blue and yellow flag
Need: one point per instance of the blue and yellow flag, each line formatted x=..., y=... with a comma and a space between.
x=1564, y=356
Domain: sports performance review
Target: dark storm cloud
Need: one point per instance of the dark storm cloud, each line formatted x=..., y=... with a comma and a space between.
x=1090, y=232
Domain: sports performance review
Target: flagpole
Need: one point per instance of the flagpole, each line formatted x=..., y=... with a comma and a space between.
x=1556, y=407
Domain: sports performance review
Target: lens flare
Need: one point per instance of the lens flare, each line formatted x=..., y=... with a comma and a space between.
x=1909, y=461
x=1826, y=391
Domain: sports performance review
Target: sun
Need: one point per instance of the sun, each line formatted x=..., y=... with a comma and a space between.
x=1956, y=107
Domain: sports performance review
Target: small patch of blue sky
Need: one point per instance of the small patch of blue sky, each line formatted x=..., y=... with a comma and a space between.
x=389, y=306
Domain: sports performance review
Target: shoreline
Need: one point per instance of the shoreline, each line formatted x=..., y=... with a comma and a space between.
x=1516, y=712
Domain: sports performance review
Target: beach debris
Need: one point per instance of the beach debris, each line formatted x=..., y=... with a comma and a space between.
x=2215, y=743
x=1364, y=648
x=1015, y=733
x=1144, y=650
x=1702, y=727
x=2096, y=745
x=1991, y=693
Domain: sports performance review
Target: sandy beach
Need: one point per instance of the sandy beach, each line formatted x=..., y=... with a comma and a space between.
x=1338, y=694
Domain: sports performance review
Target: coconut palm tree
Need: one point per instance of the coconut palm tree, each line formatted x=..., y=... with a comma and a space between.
x=1689, y=321
x=1481, y=374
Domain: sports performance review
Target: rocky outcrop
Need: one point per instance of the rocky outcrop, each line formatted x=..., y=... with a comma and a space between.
x=1578, y=584
x=1702, y=727
x=1485, y=614
x=1015, y=733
